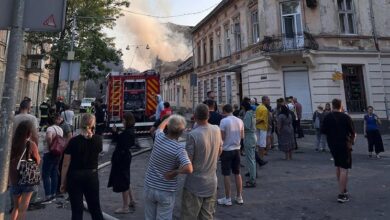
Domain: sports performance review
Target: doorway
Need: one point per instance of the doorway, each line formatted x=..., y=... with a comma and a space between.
x=296, y=84
x=355, y=93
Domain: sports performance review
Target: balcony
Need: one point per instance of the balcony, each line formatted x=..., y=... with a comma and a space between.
x=35, y=63
x=288, y=43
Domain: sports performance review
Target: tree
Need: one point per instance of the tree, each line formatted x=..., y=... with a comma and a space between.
x=92, y=47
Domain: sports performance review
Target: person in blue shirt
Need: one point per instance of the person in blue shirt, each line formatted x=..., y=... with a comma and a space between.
x=371, y=132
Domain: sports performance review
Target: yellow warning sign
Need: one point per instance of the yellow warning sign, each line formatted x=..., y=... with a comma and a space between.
x=337, y=76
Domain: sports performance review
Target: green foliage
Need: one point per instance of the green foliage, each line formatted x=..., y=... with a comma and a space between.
x=92, y=47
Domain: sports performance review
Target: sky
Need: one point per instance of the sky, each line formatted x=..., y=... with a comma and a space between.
x=141, y=30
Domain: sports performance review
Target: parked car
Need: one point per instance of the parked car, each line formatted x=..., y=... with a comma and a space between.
x=86, y=103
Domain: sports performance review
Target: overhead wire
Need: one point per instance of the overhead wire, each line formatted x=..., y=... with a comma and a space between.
x=169, y=16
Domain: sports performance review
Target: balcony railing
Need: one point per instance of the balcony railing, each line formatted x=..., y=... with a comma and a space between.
x=291, y=42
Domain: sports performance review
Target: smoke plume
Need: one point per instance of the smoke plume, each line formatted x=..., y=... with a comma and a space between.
x=132, y=30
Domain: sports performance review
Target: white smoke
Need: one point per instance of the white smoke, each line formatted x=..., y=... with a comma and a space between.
x=132, y=29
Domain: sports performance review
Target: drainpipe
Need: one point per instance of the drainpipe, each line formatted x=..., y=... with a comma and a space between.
x=375, y=37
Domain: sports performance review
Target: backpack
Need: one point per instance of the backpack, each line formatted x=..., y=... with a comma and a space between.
x=58, y=145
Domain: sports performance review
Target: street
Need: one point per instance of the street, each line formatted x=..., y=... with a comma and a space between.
x=304, y=188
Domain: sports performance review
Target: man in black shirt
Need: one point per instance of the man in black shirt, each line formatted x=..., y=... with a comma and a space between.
x=340, y=132
x=214, y=117
x=211, y=96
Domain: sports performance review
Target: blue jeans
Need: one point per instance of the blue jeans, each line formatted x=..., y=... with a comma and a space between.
x=159, y=204
x=50, y=174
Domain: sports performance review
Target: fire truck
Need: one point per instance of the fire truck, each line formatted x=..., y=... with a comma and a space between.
x=132, y=92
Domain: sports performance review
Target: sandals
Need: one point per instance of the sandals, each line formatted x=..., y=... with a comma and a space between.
x=250, y=185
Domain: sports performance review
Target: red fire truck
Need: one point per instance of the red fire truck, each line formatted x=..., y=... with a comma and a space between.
x=132, y=92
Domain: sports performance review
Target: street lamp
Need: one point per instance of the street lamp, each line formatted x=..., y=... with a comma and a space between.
x=136, y=47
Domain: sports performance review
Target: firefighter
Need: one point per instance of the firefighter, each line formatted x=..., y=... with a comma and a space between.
x=45, y=114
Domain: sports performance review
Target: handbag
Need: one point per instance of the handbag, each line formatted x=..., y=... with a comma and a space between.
x=58, y=144
x=29, y=173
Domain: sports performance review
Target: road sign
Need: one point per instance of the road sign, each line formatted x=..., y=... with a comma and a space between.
x=74, y=73
x=39, y=15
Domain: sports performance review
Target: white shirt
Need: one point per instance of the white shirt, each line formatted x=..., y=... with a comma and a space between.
x=68, y=116
x=232, y=127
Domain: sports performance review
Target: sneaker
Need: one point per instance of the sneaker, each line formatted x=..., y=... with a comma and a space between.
x=239, y=200
x=122, y=211
x=342, y=198
x=47, y=201
x=224, y=201
x=378, y=157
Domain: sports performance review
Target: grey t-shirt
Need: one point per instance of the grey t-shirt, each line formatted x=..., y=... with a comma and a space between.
x=203, y=144
x=25, y=117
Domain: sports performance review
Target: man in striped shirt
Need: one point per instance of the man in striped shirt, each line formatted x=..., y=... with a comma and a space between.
x=168, y=159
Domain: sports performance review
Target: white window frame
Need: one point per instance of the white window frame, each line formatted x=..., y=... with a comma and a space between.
x=298, y=39
x=255, y=26
x=347, y=12
x=219, y=89
x=205, y=89
x=211, y=48
x=228, y=89
x=237, y=34
x=219, y=44
x=228, y=47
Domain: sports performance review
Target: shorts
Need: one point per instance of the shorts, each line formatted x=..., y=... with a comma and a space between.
x=18, y=189
x=342, y=157
x=230, y=161
x=261, y=138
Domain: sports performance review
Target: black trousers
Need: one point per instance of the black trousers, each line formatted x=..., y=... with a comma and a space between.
x=374, y=138
x=84, y=183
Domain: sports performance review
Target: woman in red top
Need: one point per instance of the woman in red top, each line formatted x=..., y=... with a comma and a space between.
x=167, y=111
x=21, y=193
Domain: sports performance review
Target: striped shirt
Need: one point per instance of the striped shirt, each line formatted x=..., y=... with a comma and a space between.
x=167, y=155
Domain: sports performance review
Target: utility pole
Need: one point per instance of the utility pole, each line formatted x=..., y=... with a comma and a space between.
x=71, y=55
x=8, y=98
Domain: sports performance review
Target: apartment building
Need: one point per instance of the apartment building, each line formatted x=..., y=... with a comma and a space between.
x=313, y=50
x=33, y=76
x=177, y=87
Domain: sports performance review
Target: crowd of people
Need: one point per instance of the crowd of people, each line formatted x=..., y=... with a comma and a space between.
x=228, y=135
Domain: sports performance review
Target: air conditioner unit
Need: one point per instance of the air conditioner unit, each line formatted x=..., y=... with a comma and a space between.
x=311, y=3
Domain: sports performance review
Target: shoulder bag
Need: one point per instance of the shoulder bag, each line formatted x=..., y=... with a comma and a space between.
x=29, y=173
x=58, y=144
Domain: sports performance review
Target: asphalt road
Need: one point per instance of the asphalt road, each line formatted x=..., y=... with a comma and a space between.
x=304, y=188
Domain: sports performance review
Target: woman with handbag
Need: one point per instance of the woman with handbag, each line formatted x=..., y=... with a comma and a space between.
x=120, y=163
x=51, y=161
x=24, y=153
x=79, y=175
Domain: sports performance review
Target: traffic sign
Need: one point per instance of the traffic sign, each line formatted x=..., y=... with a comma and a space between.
x=39, y=15
x=74, y=71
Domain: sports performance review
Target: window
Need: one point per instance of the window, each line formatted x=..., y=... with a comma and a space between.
x=211, y=49
x=354, y=88
x=204, y=52
x=219, y=43
x=237, y=34
x=34, y=64
x=200, y=91
x=346, y=16
x=228, y=87
x=205, y=86
x=211, y=84
x=228, y=51
x=292, y=25
x=219, y=89
x=199, y=54
x=255, y=27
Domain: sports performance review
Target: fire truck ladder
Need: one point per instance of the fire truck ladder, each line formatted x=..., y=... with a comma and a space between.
x=116, y=99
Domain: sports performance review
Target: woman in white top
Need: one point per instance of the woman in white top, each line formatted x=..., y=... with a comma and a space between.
x=50, y=161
